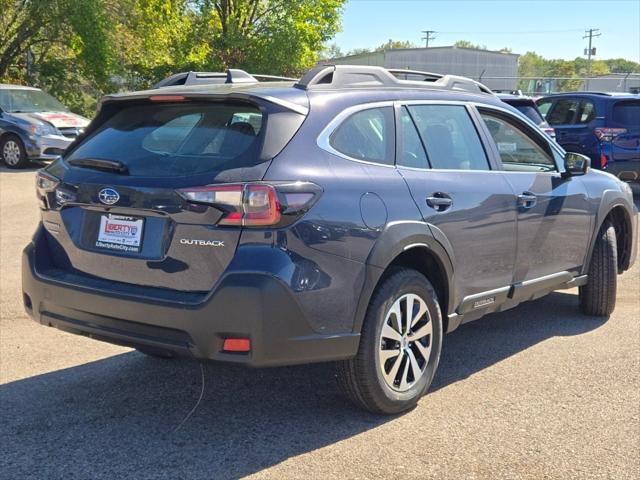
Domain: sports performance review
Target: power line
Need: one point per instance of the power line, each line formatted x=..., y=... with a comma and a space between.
x=494, y=32
x=428, y=35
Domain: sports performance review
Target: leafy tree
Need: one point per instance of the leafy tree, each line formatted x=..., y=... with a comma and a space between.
x=331, y=51
x=468, y=44
x=392, y=44
x=621, y=65
x=267, y=36
x=80, y=26
x=360, y=51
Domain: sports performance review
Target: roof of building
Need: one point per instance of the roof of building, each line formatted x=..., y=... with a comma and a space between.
x=417, y=49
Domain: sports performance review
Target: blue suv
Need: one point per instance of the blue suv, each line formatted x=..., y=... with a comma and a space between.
x=603, y=126
x=351, y=216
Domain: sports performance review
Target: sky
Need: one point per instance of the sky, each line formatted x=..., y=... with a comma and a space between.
x=551, y=28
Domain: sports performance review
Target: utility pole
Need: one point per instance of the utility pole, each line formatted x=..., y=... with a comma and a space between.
x=428, y=35
x=592, y=32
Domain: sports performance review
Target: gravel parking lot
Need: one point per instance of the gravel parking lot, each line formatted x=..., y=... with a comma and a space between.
x=536, y=392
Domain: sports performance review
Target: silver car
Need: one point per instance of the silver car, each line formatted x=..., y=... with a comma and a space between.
x=34, y=126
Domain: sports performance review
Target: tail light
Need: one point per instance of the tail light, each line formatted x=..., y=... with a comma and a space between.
x=603, y=161
x=608, y=134
x=45, y=185
x=256, y=204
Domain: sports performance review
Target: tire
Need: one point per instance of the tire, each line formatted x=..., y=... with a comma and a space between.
x=156, y=353
x=371, y=383
x=12, y=152
x=598, y=296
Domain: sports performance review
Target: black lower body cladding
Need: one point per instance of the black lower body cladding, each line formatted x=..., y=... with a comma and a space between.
x=254, y=306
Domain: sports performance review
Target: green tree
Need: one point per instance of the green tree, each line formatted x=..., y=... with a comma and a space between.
x=621, y=65
x=468, y=44
x=77, y=27
x=392, y=44
x=360, y=51
x=267, y=36
x=331, y=51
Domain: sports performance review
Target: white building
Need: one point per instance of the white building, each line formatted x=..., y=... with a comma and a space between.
x=481, y=65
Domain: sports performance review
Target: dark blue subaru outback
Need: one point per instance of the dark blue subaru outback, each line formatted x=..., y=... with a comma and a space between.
x=351, y=217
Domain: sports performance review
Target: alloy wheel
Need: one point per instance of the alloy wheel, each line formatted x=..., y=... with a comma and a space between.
x=405, y=342
x=11, y=153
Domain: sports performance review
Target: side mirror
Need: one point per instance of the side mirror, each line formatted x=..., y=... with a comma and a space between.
x=575, y=164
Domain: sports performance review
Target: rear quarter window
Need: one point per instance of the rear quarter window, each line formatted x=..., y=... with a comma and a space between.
x=177, y=139
x=367, y=135
x=627, y=113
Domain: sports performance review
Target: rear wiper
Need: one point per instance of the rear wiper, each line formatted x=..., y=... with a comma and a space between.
x=100, y=164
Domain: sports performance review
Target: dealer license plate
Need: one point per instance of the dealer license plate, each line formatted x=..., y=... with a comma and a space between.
x=119, y=232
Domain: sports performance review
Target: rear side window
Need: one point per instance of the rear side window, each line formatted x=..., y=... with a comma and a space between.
x=563, y=112
x=627, y=113
x=177, y=139
x=367, y=135
x=518, y=151
x=449, y=136
x=531, y=112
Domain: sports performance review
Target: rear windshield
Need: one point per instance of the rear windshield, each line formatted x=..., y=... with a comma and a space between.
x=529, y=111
x=177, y=139
x=627, y=113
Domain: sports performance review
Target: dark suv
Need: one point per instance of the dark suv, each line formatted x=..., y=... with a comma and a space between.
x=351, y=217
x=603, y=126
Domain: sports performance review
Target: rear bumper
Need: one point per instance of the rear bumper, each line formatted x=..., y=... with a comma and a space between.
x=255, y=306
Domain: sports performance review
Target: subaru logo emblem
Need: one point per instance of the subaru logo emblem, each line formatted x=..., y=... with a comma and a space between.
x=108, y=196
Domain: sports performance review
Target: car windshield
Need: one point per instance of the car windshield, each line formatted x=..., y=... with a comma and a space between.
x=161, y=140
x=24, y=100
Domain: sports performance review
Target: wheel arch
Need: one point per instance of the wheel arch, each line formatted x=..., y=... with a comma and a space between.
x=617, y=212
x=410, y=245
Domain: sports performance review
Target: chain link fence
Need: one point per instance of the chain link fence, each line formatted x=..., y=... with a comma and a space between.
x=535, y=86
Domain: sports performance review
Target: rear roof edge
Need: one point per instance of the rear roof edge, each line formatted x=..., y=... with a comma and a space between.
x=285, y=96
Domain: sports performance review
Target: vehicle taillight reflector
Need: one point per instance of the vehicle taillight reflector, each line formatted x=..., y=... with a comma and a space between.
x=261, y=205
x=236, y=345
x=248, y=204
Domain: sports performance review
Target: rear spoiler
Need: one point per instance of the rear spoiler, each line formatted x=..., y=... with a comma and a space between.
x=222, y=92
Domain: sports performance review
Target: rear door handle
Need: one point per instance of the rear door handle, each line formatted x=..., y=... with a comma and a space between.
x=527, y=200
x=439, y=201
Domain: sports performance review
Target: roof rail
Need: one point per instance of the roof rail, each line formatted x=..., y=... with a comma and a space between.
x=232, y=75
x=274, y=77
x=428, y=76
x=364, y=76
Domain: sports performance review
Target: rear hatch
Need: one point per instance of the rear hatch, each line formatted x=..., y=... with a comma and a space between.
x=125, y=207
x=625, y=119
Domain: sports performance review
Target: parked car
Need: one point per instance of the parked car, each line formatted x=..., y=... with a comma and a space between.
x=351, y=217
x=603, y=126
x=527, y=106
x=34, y=126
